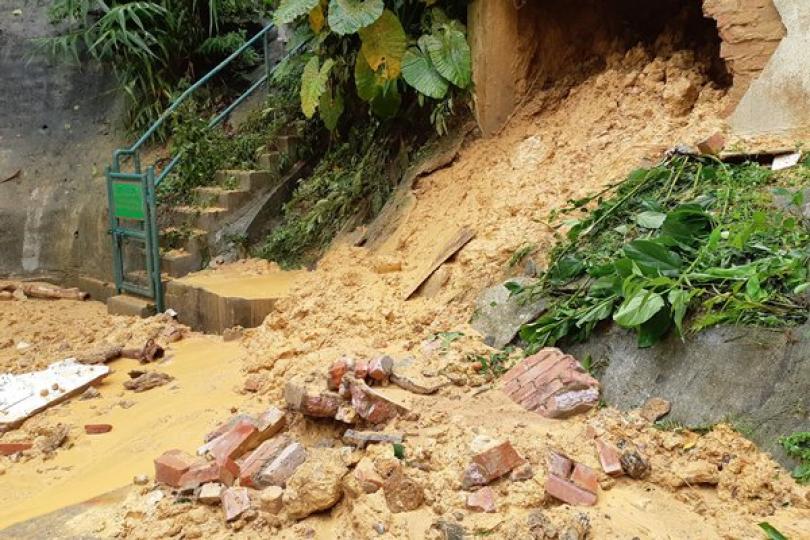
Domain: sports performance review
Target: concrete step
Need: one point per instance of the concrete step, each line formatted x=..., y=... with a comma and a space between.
x=191, y=240
x=195, y=217
x=179, y=262
x=287, y=144
x=220, y=197
x=244, y=180
x=269, y=161
x=133, y=306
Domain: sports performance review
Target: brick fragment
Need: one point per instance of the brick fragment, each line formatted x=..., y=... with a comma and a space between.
x=585, y=477
x=278, y=471
x=482, y=500
x=235, y=502
x=235, y=442
x=271, y=422
x=361, y=438
x=370, y=404
x=367, y=476
x=257, y=460
x=712, y=145
x=568, y=492
x=337, y=370
x=380, y=368
x=609, y=458
x=96, y=429
x=227, y=426
x=360, y=369
x=498, y=460
x=172, y=465
x=208, y=472
x=271, y=499
x=559, y=464
x=211, y=493
x=7, y=449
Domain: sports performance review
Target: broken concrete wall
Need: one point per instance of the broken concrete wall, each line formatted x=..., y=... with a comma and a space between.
x=56, y=129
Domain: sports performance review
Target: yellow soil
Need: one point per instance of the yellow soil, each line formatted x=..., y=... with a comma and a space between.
x=171, y=416
x=273, y=285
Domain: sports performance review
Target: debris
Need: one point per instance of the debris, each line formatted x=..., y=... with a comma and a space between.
x=713, y=145
x=570, y=482
x=403, y=494
x=346, y=414
x=380, y=368
x=49, y=292
x=253, y=383
x=20, y=395
x=459, y=240
x=337, y=370
x=227, y=426
x=316, y=485
x=99, y=356
x=172, y=465
x=634, y=465
x=140, y=479
x=235, y=502
x=551, y=383
x=211, y=493
x=52, y=438
x=90, y=393
x=694, y=473
x=148, y=380
x=96, y=429
x=361, y=438
x=482, y=500
x=271, y=499
x=785, y=161
x=233, y=334
x=260, y=458
x=609, y=458
x=498, y=460
x=449, y=530
x=7, y=449
x=204, y=473
x=379, y=528
x=410, y=379
x=372, y=405
x=360, y=369
x=499, y=314
x=280, y=469
x=319, y=404
x=655, y=408
x=522, y=473
x=150, y=352
x=367, y=476
x=474, y=475
x=234, y=442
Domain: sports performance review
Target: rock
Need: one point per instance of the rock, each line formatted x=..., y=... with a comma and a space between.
x=235, y=502
x=402, y=493
x=655, y=408
x=474, y=475
x=713, y=145
x=694, y=473
x=380, y=368
x=522, y=473
x=361, y=438
x=498, y=460
x=367, y=476
x=634, y=465
x=499, y=315
x=540, y=527
x=95, y=429
x=211, y=493
x=337, y=370
x=282, y=468
x=254, y=383
x=551, y=383
x=52, y=439
x=410, y=379
x=148, y=380
x=680, y=96
x=271, y=499
x=609, y=458
x=482, y=500
x=379, y=528
x=316, y=485
x=90, y=393
x=140, y=479
x=449, y=530
x=346, y=414
x=172, y=465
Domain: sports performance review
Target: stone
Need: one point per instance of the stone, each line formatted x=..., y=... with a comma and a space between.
x=559, y=464
x=410, y=379
x=380, y=368
x=449, y=530
x=316, y=485
x=568, y=492
x=260, y=458
x=91, y=393
x=278, y=471
x=337, y=370
x=147, y=381
x=609, y=458
x=346, y=414
x=402, y=493
x=211, y=493
x=634, y=465
x=655, y=408
x=253, y=383
x=95, y=429
x=379, y=528
x=694, y=473
x=235, y=502
x=522, y=473
x=140, y=479
x=680, y=96
x=7, y=449
x=552, y=384
x=234, y=442
x=712, y=145
x=361, y=438
x=367, y=476
x=209, y=472
x=52, y=438
x=172, y=465
x=499, y=315
x=271, y=499
x=585, y=477
x=474, y=475
x=372, y=405
x=482, y=500
x=498, y=460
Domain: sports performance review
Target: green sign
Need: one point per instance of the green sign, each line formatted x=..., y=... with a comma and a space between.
x=128, y=200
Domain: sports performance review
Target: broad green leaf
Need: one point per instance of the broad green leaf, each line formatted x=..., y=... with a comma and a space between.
x=349, y=16
x=316, y=19
x=450, y=54
x=638, y=308
x=651, y=331
x=331, y=107
x=313, y=84
x=598, y=312
x=289, y=10
x=650, y=219
x=513, y=287
x=383, y=44
x=653, y=257
x=418, y=71
x=687, y=224
x=567, y=267
x=771, y=531
x=679, y=300
x=753, y=289
x=368, y=83
x=386, y=104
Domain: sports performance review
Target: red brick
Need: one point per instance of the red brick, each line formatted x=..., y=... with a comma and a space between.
x=209, y=472
x=511, y=387
x=371, y=405
x=94, y=429
x=361, y=369
x=540, y=370
x=259, y=458
x=713, y=145
x=336, y=372
x=585, y=477
x=323, y=405
x=172, y=465
x=559, y=464
x=227, y=426
x=270, y=422
x=235, y=442
x=498, y=460
x=526, y=391
x=482, y=500
x=609, y=458
x=7, y=449
x=380, y=368
x=565, y=404
x=540, y=396
x=235, y=501
x=569, y=493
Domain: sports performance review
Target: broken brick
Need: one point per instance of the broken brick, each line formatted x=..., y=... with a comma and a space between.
x=498, y=460
x=278, y=471
x=7, y=449
x=367, y=476
x=264, y=454
x=713, y=145
x=346, y=414
x=211, y=493
x=235, y=502
x=559, y=464
x=380, y=368
x=609, y=458
x=337, y=370
x=272, y=499
x=227, y=426
x=235, y=442
x=372, y=405
x=271, y=422
x=323, y=405
x=568, y=492
x=209, y=472
x=361, y=369
x=482, y=500
x=172, y=465
x=361, y=438
x=585, y=477
x=96, y=429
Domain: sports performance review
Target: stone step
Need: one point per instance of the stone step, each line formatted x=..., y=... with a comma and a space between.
x=220, y=197
x=269, y=161
x=179, y=262
x=191, y=240
x=132, y=306
x=244, y=180
x=196, y=217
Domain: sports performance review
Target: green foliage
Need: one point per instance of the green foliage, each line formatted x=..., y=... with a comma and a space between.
x=313, y=84
x=154, y=47
x=687, y=244
x=798, y=446
x=349, y=16
x=771, y=532
x=450, y=53
x=493, y=364
x=289, y=10
x=419, y=72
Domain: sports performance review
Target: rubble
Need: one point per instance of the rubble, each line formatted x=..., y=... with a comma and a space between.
x=316, y=485
x=410, y=379
x=280, y=469
x=380, y=368
x=609, y=458
x=10, y=448
x=712, y=145
x=204, y=473
x=495, y=462
x=50, y=439
x=551, y=383
x=337, y=370
x=570, y=482
x=482, y=500
x=402, y=493
x=235, y=502
x=143, y=381
x=211, y=493
x=260, y=458
x=271, y=499
x=634, y=465
x=172, y=465
x=370, y=404
x=361, y=438
x=367, y=476
x=95, y=429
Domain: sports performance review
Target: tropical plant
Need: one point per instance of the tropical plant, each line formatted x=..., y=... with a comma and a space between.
x=154, y=47
x=395, y=52
x=798, y=446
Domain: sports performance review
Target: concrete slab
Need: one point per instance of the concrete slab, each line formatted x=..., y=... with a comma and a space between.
x=133, y=306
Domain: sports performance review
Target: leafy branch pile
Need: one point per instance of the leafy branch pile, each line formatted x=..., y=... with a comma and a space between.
x=798, y=446
x=392, y=50
x=687, y=244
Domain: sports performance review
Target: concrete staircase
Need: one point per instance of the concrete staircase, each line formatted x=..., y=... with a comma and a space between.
x=190, y=234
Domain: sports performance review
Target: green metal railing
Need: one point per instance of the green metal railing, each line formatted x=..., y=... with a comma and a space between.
x=132, y=195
